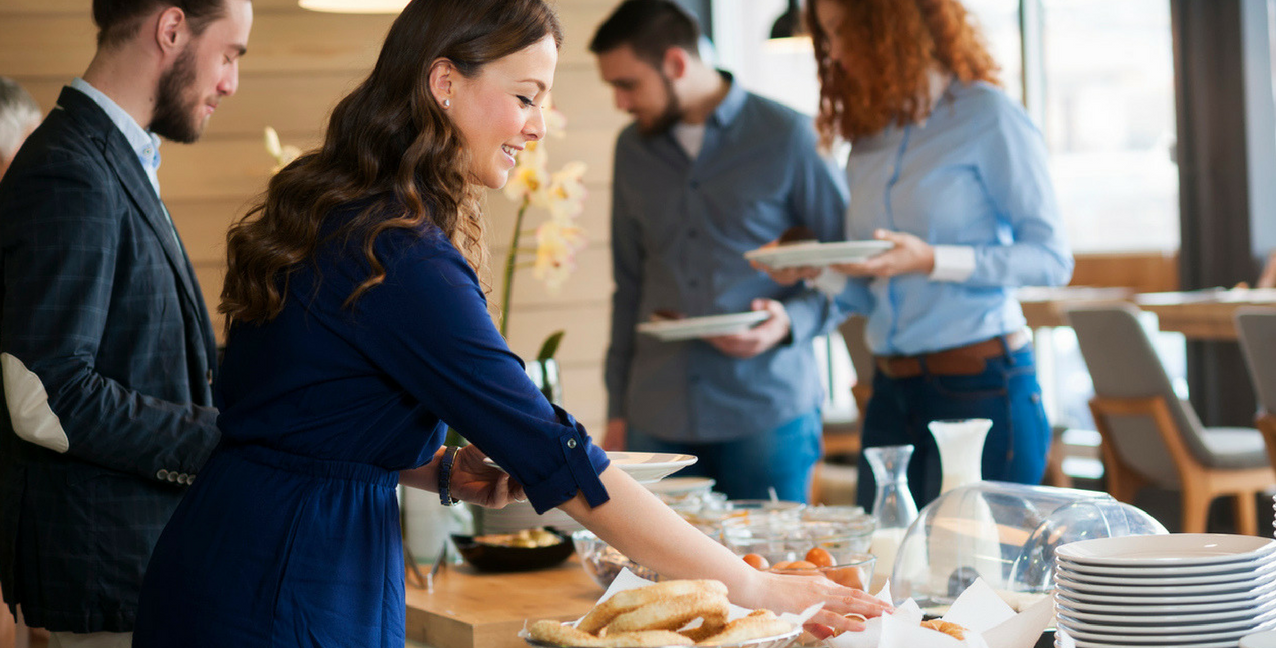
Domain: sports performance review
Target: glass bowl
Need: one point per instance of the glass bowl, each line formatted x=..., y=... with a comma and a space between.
x=602, y=562
x=780, y=539
x=854, y=570
x=709, y=513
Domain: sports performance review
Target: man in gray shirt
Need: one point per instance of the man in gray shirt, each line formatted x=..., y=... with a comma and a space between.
x=706, y=172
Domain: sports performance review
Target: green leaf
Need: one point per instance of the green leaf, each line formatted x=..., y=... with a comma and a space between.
x=550, y=346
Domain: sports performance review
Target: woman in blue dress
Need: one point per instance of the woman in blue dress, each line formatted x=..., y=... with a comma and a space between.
x=951, y=171
x=358, y=328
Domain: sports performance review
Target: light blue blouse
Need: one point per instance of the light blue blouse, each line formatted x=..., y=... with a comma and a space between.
x=971, y=180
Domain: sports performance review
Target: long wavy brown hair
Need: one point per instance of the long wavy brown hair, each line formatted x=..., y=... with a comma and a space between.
x=890, y=46
x=389, y=145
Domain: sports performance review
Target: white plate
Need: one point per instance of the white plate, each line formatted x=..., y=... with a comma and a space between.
x=817, y=254
x=1065, y=565
x=1262, y=572
x=1164, y=625
x=678, y=486
x=1173, y=595
x=1172, y=605
x=1157, y=590
x=699, y=327
x=1160, y=550
x=1082, y=643
x=1162, y=640
x=644, y=467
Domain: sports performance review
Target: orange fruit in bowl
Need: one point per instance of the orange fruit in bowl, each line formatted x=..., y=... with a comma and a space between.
x=756, y=561
x=820, y=557
x=851, y=577
x=800, y=564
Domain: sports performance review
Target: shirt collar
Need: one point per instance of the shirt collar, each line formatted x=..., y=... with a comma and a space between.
x=144, y=143
x=731, y=105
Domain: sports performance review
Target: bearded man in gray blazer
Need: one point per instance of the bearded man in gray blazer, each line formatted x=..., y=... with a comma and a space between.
x=106, y=348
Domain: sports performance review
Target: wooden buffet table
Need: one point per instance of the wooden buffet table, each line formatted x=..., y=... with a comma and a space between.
x=472, y=609
x=1204, y=314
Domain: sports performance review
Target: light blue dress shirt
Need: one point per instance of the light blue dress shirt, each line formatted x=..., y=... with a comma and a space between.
x=680, y=228
x=971, y=180
x=145, y=143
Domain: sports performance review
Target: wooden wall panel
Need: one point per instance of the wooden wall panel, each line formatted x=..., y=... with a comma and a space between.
x=1143, y=271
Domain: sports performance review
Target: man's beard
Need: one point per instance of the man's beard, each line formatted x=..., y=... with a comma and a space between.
x=174, y=118
x=671, y=115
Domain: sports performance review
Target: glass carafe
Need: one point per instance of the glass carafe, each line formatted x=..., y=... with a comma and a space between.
x=961, y=450
x=893, y=507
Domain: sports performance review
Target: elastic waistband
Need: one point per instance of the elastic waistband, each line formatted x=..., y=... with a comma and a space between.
x=310, y=466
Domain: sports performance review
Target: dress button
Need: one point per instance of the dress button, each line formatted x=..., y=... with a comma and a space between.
x=162, y=474
x=571, y=443
x=172, y=476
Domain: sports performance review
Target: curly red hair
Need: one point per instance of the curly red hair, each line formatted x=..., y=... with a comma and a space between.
x=890, y=46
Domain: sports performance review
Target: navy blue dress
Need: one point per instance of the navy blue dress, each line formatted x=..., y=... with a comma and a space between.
x=290, y=535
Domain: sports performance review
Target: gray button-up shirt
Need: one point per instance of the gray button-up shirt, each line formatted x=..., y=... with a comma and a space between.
x=680, y=228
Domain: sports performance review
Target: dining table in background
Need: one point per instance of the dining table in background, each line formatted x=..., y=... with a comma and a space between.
x=1045, y=307
x=1204, y=314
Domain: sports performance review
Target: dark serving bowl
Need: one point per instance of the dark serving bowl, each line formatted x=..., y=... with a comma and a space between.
x=502, y=558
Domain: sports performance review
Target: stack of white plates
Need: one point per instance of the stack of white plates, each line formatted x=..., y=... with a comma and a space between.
x=1199, y=590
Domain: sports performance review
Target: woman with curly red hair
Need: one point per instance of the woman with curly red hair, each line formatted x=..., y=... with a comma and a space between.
x=953, y=173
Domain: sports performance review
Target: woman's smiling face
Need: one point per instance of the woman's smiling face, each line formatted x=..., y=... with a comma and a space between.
x=499, y=110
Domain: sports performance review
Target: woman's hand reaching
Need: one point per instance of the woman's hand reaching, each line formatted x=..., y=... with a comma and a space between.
x=479, y=483
x=794, y=593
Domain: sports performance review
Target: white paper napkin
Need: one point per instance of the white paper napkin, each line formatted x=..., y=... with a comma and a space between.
x=991, y=622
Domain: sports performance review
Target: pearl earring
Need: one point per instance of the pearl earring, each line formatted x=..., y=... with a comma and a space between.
x=447, y=103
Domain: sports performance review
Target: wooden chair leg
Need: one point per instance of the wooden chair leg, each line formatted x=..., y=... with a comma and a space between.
x=1196, y=508
x=816, y=493
x=1054, y=475
x=1246, y=514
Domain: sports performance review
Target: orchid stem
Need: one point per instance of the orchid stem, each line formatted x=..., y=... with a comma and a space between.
x=510, y=265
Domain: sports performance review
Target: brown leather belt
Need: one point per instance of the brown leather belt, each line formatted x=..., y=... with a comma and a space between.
x=966, y=360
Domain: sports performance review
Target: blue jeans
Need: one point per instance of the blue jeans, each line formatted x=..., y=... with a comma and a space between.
x=1006, y=392
x=744, y=468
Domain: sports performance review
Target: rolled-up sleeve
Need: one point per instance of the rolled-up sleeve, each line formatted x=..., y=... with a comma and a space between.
x=428, y=327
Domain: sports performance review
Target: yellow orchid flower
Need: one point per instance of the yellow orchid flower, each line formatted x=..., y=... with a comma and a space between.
x=283, y=154
x=556, y=247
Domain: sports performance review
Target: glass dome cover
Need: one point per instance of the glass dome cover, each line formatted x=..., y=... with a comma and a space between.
x=1006, y=534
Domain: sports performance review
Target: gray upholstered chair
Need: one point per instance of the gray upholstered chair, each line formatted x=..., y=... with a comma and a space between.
x=1150, y=437
x=1257, y=328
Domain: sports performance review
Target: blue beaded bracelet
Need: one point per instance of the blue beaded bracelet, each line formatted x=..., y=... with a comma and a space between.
x=445, y=476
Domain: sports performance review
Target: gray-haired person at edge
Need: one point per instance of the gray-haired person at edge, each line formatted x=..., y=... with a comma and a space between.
x=19, y=115
x=106, y=348
x=706, y=172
